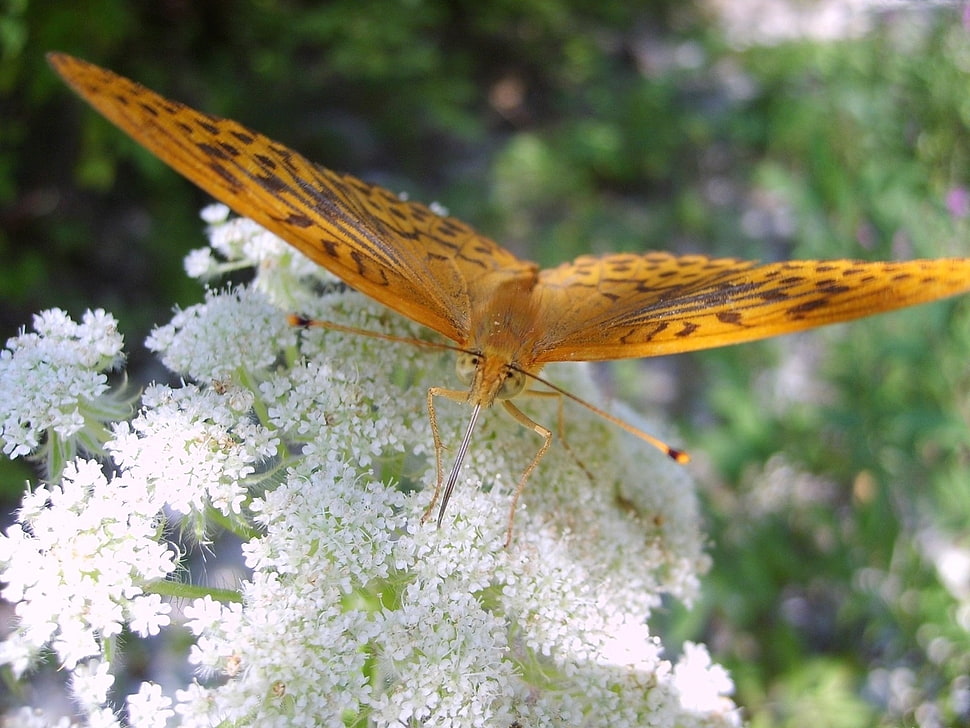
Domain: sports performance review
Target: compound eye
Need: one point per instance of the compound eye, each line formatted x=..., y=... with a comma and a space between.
x=512, y=385
x=466, y=365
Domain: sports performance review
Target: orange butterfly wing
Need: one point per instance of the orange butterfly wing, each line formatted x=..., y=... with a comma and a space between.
x=438, y=271
x=507, y=315
x=627, y=305
x=402, y=254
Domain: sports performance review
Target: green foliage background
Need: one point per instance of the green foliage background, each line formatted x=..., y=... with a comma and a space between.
x=835, y=464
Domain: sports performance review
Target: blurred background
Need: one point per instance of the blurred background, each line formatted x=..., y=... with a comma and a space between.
x=833, y=464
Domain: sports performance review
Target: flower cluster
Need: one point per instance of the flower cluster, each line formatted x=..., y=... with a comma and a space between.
x=312, y=447
x=56, y=397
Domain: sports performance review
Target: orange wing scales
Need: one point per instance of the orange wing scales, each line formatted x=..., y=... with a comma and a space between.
x=400, y=253
x=440, y=272
x=625, y=305
x=506, y=315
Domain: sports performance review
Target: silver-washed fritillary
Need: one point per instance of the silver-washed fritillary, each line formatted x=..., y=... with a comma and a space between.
x=506, y=317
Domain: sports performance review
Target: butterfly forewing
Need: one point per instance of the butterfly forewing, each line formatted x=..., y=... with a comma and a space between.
x=401, y=253
x=621, y=306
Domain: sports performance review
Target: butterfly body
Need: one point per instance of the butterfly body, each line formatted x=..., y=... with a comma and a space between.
x=506, y=317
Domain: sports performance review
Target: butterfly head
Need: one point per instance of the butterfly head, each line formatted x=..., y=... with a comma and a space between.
x=488, y=378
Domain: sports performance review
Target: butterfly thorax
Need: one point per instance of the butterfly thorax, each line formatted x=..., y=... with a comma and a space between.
x=503, y=333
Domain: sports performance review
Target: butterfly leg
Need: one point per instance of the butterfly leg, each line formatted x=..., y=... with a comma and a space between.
x=546, y=435
x=454, y=395
x=561, y=426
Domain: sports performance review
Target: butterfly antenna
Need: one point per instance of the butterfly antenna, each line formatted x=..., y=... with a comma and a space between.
x=462, y=450
x=307, y=323
x=678, y=456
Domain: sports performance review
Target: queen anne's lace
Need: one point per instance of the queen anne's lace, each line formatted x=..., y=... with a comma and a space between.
x=314, y=448
x=55, y=391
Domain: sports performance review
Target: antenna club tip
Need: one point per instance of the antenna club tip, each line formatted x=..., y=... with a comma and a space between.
x=678, y=456
x=297, y=320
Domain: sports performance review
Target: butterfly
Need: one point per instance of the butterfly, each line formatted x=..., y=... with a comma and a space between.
x=506, y=316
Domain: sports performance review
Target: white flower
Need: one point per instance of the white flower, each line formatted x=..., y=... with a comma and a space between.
x=215, y=213
x=703, y=686
x=74, y=565
x=314, y=447
x=148, y=708
x=200, y=263
x=233, y=331
x=147, y=614
x=457, y=628
x=54, y=386
x=35, y=718
x=191, y=449
x=241, y=243
x=202, y=615
x=90, y=684
x=103, y=718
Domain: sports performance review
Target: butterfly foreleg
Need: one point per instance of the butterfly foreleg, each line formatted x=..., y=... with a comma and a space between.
x=457, y=396
x=546, y=434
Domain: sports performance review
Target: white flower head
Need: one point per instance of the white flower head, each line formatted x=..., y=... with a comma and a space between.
x=702, y=685
x=192, y=449
x=315, y=447
x=233, y=331
x=237, y=242
x=76, y=563
x=90, y=683
x=149, y=708
x=388, y=617
x=55, y=387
